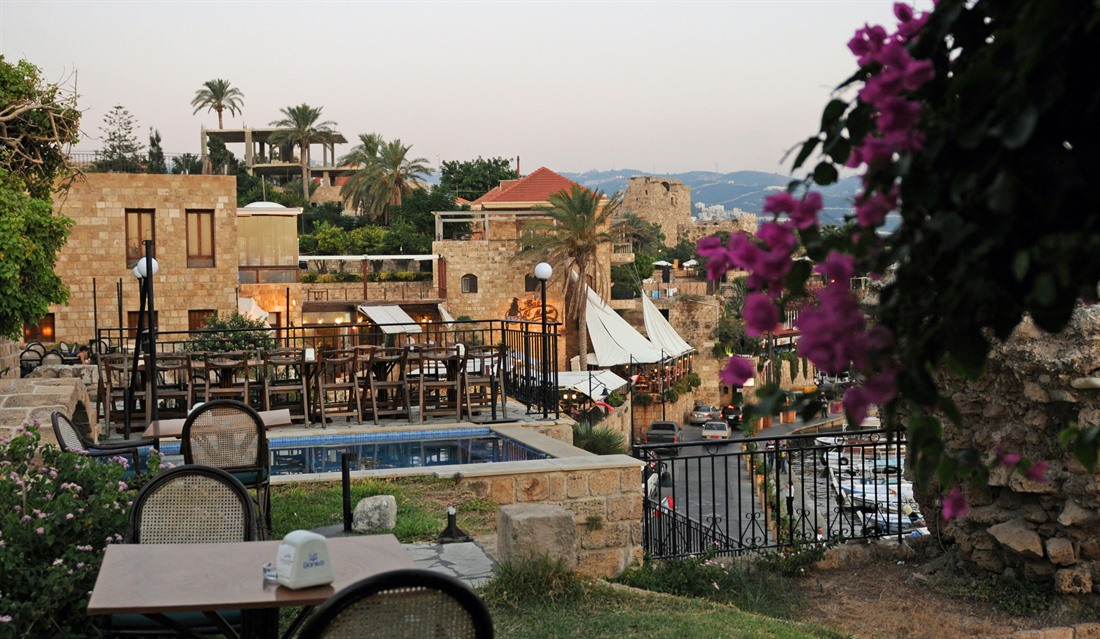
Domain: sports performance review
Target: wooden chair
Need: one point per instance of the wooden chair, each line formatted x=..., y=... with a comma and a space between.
x=483, y=380
x=389, y=385
x=439, y=385
x=191, y=504
x=227, y=376
x=230, y=435
x=337, y=387
x=115, y=373
x=69, y=438
x=363, y=376
x=286, y=381
x=173, y=386
x=402, y=604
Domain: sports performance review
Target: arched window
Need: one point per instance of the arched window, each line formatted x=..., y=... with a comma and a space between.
x=469, y=283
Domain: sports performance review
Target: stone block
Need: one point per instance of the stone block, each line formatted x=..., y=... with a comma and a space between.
x=555, y=487
x=608, y=562
x=1060, y=551
x=615, y=534
x=375, y=515
x=502, y=490
x=529, y=531
x=624, y=508
x=1019, y=537
x=1073, y=514
x=1073, y=581
x=576, y=485
x=604, y=482
x=987, y=560
x=532, y=488
x=1087, y=631
x=630, y=480
x=582, y=509
x=1058, y=632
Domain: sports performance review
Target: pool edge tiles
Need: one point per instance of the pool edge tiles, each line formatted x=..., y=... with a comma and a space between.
x=376, y=437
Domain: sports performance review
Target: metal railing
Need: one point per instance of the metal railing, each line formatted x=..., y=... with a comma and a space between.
x=763, y=493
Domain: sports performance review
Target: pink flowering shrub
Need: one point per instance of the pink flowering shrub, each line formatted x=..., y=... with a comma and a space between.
x=58, y=512
x=954, y=121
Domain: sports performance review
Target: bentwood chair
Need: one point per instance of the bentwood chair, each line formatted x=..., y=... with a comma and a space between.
x=173, y=385
x=191, y=504
x=389, y=384
x=69, y=438
x=439, y=381
x=483, y=380
x=115, y=373
x=337, y=386
x=230, y=435
x=286, y=381
x=227, y=375
x=402, y=604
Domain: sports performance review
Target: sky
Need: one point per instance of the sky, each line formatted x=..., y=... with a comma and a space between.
x=662, y=87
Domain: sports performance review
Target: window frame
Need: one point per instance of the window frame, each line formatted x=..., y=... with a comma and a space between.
x=132, y=257
x=197, y=257
x=469, y=283
x=34, y=333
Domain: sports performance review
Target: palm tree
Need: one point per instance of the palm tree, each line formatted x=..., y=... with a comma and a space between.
x=218, y=95
x=570, y=241
x=366, y=151
x=384, y=179
x=302, y=126
x=642, y=235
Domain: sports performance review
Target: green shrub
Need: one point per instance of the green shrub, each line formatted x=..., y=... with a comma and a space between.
x=643, y=399
x=616, y=399
x=693, y=380
x=534, y=580
x=58, y=513
x=600, y=440
x=337, y=278
x=671, y=395
x=309, y=277
x=238, y=333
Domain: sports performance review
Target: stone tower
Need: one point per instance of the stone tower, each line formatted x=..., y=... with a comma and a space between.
x=662, y=200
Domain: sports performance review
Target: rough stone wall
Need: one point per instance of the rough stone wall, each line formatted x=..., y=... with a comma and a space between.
x=1035, y=385
x=662, y=200
x=604, y=494
x=9, y=358
x=673, y=411
x=24, y=401
x=272, y=298
x=747, y=222
x=97, y=249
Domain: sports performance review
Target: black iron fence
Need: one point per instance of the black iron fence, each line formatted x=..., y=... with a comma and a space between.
x=530, y=355
x=763, y=493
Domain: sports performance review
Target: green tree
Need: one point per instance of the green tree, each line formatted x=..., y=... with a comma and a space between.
x=642, y=235
x=331, y=240
x=187, y=163
x=121, y=148
x=222, y=160
x=473, y=178
x=569, y=240
x=217, y=95
x=384, y=180
x=419, y=207
x=38, y=122
x=302, y=126
x=154, y=161
x=366, y=152
x=402, y=238
x=366, y=240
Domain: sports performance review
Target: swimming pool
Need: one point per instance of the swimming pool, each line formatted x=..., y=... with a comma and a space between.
x=399, y=449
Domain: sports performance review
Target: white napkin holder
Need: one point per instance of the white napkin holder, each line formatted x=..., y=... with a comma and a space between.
x=302, y=561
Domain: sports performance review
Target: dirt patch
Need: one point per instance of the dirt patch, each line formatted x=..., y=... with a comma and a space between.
x=930, y=594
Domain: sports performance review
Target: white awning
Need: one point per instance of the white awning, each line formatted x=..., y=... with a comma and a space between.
x=248, y=307
x=447, y=317
x=661, y=332
x=591, y=383
x=613, y=339
x=391, y=319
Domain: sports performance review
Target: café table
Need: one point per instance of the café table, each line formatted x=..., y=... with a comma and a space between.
x=152, y=579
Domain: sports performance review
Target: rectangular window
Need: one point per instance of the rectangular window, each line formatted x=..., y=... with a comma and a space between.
x=132, y=321
x=139, y=227
x=42, y=332
x=196, y=320
x=200, y=239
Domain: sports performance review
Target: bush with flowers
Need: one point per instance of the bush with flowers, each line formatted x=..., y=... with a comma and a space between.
x=975, y=125
x=58, y=513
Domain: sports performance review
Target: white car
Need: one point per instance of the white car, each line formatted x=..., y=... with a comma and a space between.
x=716, y=430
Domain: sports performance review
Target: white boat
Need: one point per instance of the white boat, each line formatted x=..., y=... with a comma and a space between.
x=882, y=498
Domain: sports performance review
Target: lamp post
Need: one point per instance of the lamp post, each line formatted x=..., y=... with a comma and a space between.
x=543, y=273
x=144, y=271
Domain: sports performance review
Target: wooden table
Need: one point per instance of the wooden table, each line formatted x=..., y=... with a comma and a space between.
x=165, y=428
x=158, y=578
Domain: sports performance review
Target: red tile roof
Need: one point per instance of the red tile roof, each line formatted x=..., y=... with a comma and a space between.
x=532, y=189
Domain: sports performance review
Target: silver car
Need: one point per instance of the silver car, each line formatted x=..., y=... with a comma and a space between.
x=702, y=414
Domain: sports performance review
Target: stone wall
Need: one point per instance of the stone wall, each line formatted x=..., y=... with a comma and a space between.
x=672, y=411
x=747, y=222
x=96, y=248
x=9, y=358
x=661, y=200
x=1036, y=384
x=25, y=401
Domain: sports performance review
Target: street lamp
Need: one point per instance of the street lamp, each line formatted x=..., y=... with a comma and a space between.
x=144, y=271
x=543, y=273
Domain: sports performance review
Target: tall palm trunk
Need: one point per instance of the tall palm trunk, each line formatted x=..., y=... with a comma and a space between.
x=305, y=172
x=582, y=332
x=219, y=110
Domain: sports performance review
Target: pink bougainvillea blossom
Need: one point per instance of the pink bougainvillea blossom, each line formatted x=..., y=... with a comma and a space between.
x=837, y=267
x=718, y=256
x=780, y=203
x=737, y=371
x=954, y=504
x=1038, y=471
x=761, y=314
x=1008, y=458
x=828, y=330
x=804, y=215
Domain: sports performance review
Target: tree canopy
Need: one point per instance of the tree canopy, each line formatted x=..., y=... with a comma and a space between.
x=385, y=176
x=302, y=126
x=38, y=122
x=470, y=179
x=121, y=149
x=218, y=95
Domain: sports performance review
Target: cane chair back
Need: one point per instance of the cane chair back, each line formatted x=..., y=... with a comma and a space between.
x=483, y=380
x=192, y=504
x=389, y=385
x=69, y=438
x=230, y=435
x=337, y=387
x=286, y=382
x=402, y=604
x=362, y=380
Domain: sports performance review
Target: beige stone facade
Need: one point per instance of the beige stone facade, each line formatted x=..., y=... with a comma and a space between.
x=96, y=249
x=662, y=200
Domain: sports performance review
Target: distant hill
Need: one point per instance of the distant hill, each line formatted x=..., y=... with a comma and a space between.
x=743, y=190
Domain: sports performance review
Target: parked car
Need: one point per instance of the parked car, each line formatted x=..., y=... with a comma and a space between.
x=716, y=430
x=664, y=432
x=732, y=414
x=702, y=414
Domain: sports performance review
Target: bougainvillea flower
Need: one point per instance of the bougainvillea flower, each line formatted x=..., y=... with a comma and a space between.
x=1038, y=471
x=737, y=371
x=954, y=504
x=761, y=314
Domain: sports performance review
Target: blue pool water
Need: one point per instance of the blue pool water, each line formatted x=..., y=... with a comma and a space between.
x=408, y=449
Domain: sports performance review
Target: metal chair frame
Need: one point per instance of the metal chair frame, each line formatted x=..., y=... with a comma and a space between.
x=69, y=438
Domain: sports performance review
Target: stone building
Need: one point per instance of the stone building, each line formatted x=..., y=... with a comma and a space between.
x=206, y=261
x=662, y=200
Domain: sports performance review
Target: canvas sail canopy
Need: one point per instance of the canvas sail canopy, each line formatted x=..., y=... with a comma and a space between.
x=391, y=319
x=614, y=340
x=661, y=333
